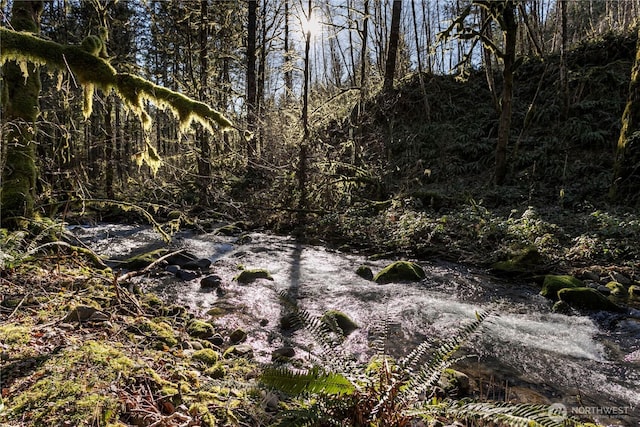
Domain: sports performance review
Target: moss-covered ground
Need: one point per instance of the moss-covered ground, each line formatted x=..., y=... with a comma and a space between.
x=136, y=365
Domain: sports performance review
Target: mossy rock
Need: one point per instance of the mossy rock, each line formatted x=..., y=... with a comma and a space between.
x=141, y=261
x=562, y=307
x=617, y=289
x=240, y=350
x=237, y=336
x=553, y=284
x=199, y=329
x=634, y=292
x=159, y=330
x=587, y=299
x=206, y=355
x=527, y=261
x=365, y=272
x=216, y=371
x=455, y=383
x=343, y=321
x=400, y=271
x=248, y=276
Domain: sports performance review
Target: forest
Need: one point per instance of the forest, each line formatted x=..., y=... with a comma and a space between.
x=319, y=212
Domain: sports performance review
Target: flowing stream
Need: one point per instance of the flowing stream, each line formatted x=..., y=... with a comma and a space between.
x=525, y=353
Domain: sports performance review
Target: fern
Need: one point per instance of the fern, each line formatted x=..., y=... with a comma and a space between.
x=430, y=373
x=386, y=392
x=500, y=413
x=329, y=335
x=315, y=380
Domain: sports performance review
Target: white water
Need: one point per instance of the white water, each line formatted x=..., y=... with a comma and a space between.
x=565, y=359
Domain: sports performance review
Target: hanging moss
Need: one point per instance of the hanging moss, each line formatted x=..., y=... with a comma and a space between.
x=94, y=72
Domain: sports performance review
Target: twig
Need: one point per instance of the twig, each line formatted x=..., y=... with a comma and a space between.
x=181, y=417
x=18, y=306
x=131, y=274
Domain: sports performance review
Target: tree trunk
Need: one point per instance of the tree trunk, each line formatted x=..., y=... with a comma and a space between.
x=288, y=73
x=392, y=51
x=626, y=172
x=302, y=157
x=204, y=148
x=510, y=29
x=488, y=61
x=564, y=81
x=252, y=93
x=21, y=108
x=108, y=148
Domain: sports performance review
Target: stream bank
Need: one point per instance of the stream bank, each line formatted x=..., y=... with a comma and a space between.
x=579, y=361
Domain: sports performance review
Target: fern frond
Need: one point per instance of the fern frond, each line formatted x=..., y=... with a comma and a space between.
x=428, y=377
x=320, y=330
x=500, y=413
x=314, y=380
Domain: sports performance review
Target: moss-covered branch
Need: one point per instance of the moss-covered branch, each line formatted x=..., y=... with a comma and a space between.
x=92, y=72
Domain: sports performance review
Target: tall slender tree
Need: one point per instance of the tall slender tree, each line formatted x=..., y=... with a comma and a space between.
x=392, y=50
x=21, y=108
x=252, y=91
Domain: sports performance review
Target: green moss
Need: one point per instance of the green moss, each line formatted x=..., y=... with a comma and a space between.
x=587, y=299
x=617, y=289
x=552, y=284
x=152, y=300
x=143, y=260
x=12, y=334
x=526, y=261
x=206, y=355
x=64, y=393
x=634, y=292
x=400, y=271
x=158, y=330
x=216, y=371
x=248, y=276
x=199, y=329
x=340, y=319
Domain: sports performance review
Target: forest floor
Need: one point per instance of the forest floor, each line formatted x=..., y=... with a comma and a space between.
x=80, y=347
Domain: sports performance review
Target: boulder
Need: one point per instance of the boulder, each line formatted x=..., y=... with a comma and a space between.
x=80, y=313
x=283, y=353
x=186, y=275
x=211, y=282
x=400, y=271
x=237, y=336
x=197, y=265
x=553, y=283
x=586, y=299
x=248, y=276
x=455, y=383
x=206, y=355
x=365, y=272
x=199, y=329
x=343, y=321
x=181, y=258
x=526, y=261
x=620, y=278
x=240, y=350
x=138, y=262
x=172, y=268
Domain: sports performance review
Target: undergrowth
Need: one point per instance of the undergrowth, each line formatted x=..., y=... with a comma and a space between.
x=332, y=389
